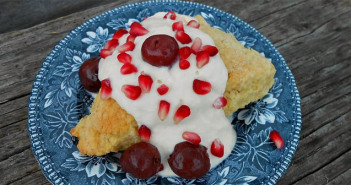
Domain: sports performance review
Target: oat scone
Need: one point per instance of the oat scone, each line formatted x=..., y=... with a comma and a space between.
x=250, y=75
x=108, y=128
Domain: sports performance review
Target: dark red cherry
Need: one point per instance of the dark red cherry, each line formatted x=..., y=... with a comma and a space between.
x=160, y=50
x=88, y=74
x=189, y=161
x=142, y=160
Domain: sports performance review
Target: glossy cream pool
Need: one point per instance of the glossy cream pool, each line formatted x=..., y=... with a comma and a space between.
x=209, y=123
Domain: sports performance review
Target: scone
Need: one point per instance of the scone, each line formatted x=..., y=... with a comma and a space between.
x=108, y=128
x=250, y=75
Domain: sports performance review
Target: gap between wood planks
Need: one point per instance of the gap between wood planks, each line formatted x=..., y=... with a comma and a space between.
x=34, y=178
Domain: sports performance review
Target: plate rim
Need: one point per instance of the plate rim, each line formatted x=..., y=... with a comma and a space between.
x=33, y=126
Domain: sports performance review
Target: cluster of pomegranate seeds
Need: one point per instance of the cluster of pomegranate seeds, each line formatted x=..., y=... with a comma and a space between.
x=277, y=139
x=163, y=89
x=201, y=87
x=163, y=109
x=106, y=89
x=145, y=82
x=219, y=103
x=217, y=148
x=144, y=133
x=131, y=91
x=170, y=15
x=192, y=137
x=181, y=113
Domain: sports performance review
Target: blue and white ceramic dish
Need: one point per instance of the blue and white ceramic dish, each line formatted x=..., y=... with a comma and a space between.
x=58, y=101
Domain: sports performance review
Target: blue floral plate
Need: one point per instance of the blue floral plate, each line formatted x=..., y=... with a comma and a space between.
x=58, y=101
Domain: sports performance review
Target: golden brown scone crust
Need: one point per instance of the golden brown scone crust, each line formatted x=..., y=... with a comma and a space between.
x=108, y=128
x=250, y=75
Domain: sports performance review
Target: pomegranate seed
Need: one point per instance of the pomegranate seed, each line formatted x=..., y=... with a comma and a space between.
x=144, y=133
x=163, y=110
x=219, y=102
x=145, y=82
x=217, y=148
x=131, y=38
x=106, y=89
x=128, y=46
x=193, y=24
x=182, y=37
x=202, y=58
x=181, y=113
x=137, y=29
x=178, y=26
x=192, y=137
x=211, y=50
x=184, y=64
x=196, y=47
x=124, y=58
x=201, y=87
x=145, y=18
x=277, y=139
x=132, y=92
x=163, y=89
x=170, y=15
x=111, y=44
x=119, y=33
x=184, y=52
x=105, y=53
x=128, y=68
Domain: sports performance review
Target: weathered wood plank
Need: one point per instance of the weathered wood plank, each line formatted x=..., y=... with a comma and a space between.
x=33, y=178
x=14, y=14
x=326, y=114
x=329, y=172
x=300, y=20
x=14, y=139
x=319, y=149
x=13, y=111
x=18, y=166
x=342, y=179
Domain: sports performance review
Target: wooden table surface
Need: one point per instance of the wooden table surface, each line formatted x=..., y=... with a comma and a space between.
x=313, y=36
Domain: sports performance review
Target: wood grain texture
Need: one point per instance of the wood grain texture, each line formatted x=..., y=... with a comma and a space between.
x=313, y=36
